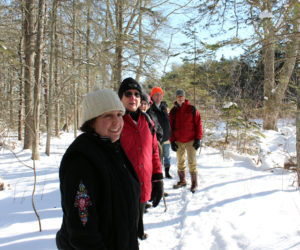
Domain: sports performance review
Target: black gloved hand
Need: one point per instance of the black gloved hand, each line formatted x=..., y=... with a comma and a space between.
x=157, y=192
x=196, y=143
x=174, y=146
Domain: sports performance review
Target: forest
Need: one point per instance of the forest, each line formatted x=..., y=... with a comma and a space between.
x=54, y=52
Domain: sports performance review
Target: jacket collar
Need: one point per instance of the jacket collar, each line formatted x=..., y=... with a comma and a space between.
x=134, y=115
x=186, y=102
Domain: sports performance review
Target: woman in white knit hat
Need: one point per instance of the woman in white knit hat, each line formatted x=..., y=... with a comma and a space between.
x=100, y=191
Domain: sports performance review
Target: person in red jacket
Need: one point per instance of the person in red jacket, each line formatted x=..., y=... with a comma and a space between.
x=140, y=145
x=186, y=135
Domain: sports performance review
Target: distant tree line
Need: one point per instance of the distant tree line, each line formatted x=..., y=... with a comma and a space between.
x=239, y=80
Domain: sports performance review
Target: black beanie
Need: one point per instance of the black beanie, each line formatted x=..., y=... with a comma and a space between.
x=145, y=97
x=129, y=83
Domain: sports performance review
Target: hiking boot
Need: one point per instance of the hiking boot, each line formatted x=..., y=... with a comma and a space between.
x=167, y=174
x=194, y=182
x=182, y=181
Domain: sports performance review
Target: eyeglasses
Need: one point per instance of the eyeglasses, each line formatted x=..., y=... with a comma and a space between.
x=129, y=94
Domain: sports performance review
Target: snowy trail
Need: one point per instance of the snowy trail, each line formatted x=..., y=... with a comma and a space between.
x=237, y=205
x=220, y=214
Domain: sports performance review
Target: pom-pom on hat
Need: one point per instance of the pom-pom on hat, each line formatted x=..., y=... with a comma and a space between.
x=180, y=92
x=157, y=90
x=129, y=83
x=99, y=102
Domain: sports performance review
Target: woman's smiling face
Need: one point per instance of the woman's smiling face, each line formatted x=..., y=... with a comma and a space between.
x=131, y=99
x=109, y=124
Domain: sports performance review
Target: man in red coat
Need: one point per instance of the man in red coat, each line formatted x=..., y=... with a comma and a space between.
x=186, y=134
x=140, y=145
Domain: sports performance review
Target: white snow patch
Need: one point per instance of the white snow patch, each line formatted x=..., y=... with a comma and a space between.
x=238, y=204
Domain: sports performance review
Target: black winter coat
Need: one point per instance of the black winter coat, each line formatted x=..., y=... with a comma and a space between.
x=161, y=115
x=100, y=195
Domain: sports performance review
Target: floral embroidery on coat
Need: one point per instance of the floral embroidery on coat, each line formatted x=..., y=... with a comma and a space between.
x=82, y=202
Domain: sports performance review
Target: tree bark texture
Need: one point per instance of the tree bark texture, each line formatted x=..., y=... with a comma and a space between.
x=274, y=92
x=21, y=90
x=50, y=82
x=119, y=45
x=38, y=77
x=29, y=49
x=298, y=133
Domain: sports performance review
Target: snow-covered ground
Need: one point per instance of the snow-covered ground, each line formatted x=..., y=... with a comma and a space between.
x=238, y=205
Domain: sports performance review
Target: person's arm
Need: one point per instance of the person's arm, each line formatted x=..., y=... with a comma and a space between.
x=157, y=176
x=171, y=118
x=198, y=126
x=79, y=195
x=156, y=163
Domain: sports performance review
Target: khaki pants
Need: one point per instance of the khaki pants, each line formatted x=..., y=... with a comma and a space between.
x=191, y=155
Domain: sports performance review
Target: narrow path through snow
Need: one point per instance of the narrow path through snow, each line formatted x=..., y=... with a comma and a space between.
x=238, y=205
x=224, y=212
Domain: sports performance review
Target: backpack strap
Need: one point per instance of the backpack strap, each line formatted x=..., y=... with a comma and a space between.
x=173, y=112
x=149, y=121
x=194, y=112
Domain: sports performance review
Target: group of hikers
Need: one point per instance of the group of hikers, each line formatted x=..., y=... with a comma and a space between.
x=114, y=168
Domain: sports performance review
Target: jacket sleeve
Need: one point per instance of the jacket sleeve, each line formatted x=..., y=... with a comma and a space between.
x=198, y=125
x=79, y=194
x=171, y=118
x=156, y=163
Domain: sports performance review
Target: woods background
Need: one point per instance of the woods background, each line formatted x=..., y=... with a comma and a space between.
x=53, y=52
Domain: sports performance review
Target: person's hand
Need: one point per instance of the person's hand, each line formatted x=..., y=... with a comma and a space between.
x=157, y=192
x=196, y=143
x=174, y=146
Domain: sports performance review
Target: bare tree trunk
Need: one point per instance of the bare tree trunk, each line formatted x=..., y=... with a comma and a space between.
x=73, y=64
x=271, y=107
x=78, y=89
x=50, y=83
x=119, y=45
x=38, y=76
x=11, y=103
x=104, y=63
x=21, y=77
x=141, y=55
x=298, y=112
x=45, y=89
x=28, y=74
x=56, y=84
x=298, y=133
x=274, y=94
x=87, y=48
x=21, y=87
x=271, y=110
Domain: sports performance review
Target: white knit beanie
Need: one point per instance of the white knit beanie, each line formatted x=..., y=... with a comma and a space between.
x=99, y=102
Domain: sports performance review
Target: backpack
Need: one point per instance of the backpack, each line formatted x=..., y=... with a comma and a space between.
x=173, y=112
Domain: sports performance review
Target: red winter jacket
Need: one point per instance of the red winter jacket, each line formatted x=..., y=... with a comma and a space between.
x=142, y=150
x=187, y=127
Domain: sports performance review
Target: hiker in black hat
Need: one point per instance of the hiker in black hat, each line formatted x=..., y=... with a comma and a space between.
x=140, y=144
x=145, y=102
